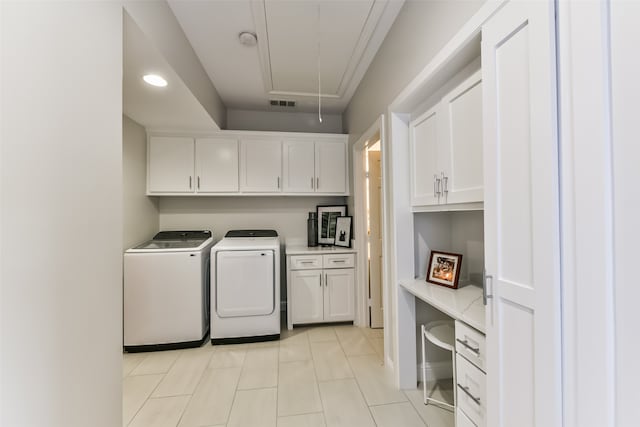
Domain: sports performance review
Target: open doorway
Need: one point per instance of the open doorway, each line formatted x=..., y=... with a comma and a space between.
x=373, y=200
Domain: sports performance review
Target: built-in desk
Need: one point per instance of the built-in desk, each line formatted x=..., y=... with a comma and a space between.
x=464, y=304
x=466, y=307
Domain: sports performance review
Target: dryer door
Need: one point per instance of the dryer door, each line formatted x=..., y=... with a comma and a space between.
x=244, y=283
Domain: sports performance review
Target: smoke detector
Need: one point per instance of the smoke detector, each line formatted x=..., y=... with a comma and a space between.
x=248, y=38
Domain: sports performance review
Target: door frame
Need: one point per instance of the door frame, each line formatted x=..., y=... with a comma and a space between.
x=360, y=222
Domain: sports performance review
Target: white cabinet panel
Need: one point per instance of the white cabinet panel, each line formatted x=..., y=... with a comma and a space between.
x=306, y=296
x=462, y=153
x=521, y=217
x=331, y=167
x=338, y=295
x=216, y=165
x=299, y=166
x=261, y=165
x=471, y=391
x=170, y=165
x=424, y=154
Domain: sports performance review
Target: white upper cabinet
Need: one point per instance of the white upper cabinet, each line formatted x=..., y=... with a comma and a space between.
x=239, y=162
x=331, y=167
x=462, y=138
x=424, y=153
x=216, y=165
x=171, y=163
x=299, y=166
x=261, y=165
x=315, y=166
x=446, y=148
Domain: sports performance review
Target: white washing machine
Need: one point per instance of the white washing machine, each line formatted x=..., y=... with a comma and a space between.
x=166, y=291
x=245, y=287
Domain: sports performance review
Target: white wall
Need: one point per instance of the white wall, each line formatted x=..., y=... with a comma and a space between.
x=421, y=29
x=283, y=121
x=141, y=217
x=61, y=198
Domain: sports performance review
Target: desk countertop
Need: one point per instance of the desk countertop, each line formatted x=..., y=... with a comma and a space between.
x=316, y=250
x=464, y=304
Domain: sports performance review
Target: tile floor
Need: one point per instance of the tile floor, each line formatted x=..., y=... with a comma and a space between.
x=325, y=376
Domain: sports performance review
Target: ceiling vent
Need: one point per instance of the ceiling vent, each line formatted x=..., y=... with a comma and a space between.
x=281, y=103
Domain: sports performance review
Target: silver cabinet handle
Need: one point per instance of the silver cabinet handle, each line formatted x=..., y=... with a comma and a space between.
x=445, y=183
x=312, y=183
x=306, y=262
x=190, y=183
x=326, y=282
x=320, y=279
x=339, y=260
x=485, y=295
x=278, y=182
x=468, y=393
x=317, y=183
x=198, y=183
x=435, y=186
x=466, y=344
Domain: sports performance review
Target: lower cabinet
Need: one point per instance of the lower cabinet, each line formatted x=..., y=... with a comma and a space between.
x=320, y=294
x=470, y=376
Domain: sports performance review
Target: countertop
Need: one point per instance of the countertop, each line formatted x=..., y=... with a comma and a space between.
x=464, y=304
x=316, y=250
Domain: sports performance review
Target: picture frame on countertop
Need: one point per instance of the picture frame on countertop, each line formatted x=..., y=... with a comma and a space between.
x=327, y=216
x=343, y=232
x=444, y=269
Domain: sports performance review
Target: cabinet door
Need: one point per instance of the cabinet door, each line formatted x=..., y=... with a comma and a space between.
x=216, y=165
x=331, y=167
x=338, y=295
x=298, y=167
x=423, y=143
x=261, y=165
x=522, y=217
x=306, y=296
x=171, y=165
x=462, y=142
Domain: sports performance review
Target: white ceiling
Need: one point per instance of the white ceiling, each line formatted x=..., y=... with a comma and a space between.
x=284, y=64
x=171, y=107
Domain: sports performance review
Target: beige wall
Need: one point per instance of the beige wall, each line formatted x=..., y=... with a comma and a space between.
x=141, y=218
x=421, y=29
x=283, y=121
x=61, y=214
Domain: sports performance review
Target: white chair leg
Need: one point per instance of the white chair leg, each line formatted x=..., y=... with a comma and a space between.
x=424, y=365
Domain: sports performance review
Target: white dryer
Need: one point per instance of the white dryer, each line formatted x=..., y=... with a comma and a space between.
x=245, y=287
x=166, y=291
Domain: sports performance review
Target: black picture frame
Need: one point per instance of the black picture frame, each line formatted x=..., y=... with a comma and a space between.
x=327, y=216
x=343, y=232
x=444, y=269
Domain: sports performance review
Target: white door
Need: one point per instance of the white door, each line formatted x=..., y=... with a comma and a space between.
x=423, y=142
x=260, y=166
x=462, y=142
x=307, y=296
x=338, y=295
x=171, y=165
x=522, y=217
x=376, y=319
x=244, y=284
x=298, y=166
x=331, y=167
x=216, y=165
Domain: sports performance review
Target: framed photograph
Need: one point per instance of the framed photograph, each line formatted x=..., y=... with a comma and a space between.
x=327, y=217
x=444, y=269
x=343, y=231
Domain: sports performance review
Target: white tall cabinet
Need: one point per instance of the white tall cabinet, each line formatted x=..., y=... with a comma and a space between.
x=522, y=249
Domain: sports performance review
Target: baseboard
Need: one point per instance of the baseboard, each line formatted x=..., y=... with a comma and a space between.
x=436, y=370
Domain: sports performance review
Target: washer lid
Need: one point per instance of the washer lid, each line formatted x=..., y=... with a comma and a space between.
x=251, y=233
x=172, y=240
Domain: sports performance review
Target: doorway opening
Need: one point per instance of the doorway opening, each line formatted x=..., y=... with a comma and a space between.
x=373, y=201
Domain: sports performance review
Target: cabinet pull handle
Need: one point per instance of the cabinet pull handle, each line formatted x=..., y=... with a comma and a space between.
x=485, y=295
x=317, y=183
x=320, y=279
x=306, y=262
x=468, y=393
x=278, y=182
x=466, y=344
x=339, y=260
x=198, y=183
x=445, y=182
x=435, y=187
x=312, y=183
x=326, y=284
x=190, y=184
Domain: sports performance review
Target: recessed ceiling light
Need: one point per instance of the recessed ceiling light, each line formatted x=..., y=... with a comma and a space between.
x=154, y=80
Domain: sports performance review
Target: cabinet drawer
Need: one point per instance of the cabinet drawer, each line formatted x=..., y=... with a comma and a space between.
x=462, y=420
x=338, y=261
x=471, y=391
x=471, y=344
x=306, y=262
